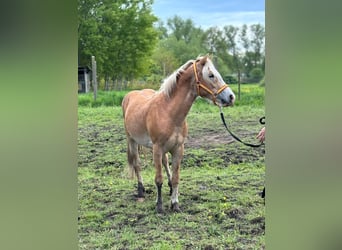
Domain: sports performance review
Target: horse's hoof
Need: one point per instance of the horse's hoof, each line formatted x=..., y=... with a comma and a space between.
x=159, y=209
x=140, y=199
x=175, y=207
x=141, y=190
x=139, y=196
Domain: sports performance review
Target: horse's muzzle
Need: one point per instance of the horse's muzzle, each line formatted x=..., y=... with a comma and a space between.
x=226, y=98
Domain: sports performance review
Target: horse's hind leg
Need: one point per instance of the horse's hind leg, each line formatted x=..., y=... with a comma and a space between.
x=134, y=164
x=167, y=169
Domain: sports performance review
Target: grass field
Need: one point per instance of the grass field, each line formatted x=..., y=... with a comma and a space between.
x=219, y=185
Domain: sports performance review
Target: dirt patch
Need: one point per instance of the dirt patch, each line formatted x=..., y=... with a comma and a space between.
x=225, y=146
x=99, y=141
x=207, y=140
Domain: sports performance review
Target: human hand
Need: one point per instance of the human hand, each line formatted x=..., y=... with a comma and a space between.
x=261, y=135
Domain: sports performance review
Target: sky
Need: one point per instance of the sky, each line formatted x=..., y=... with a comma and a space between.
x=210, y=13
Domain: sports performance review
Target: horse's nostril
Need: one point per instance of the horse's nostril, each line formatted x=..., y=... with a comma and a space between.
x=231, y=97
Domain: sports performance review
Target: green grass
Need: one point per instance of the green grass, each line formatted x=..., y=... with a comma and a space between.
x=219, y=185
x=219, y=209
x=251, y=94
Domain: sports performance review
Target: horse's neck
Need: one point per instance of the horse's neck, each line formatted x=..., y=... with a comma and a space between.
x=181, y=102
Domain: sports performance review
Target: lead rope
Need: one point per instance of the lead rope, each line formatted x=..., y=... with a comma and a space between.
x=261, y=120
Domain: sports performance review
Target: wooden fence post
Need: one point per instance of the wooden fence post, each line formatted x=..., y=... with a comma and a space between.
x=93, y=65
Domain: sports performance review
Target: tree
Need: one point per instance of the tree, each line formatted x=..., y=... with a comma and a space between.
x=217, y=46
x=243, y=37
x=181, y=29
x=252, y=40
x=162, y=30
x=120, y=34
x=89, y=39
x=257, y=43
x=183, y=40
x=165, y=61
x=230, y=33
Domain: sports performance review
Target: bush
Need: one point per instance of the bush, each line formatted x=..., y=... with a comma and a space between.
x=104, y=98
x=256, y=74
x=85, y=100
x=230, y=79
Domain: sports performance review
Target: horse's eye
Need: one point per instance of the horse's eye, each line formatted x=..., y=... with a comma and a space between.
x=211, y=75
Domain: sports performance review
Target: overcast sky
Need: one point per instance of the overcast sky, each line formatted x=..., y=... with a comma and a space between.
x=211, y=13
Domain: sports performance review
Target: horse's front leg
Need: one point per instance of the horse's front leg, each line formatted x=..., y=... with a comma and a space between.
x=177, y=156
x=167, y=170
x=157, y=160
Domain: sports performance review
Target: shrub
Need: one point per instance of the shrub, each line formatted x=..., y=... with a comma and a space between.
x=230, y=79
x=251, y=94
x=256, y=75
x=85, y=100
x=104, y=98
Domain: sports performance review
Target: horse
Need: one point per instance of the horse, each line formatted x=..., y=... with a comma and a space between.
x=157, y=120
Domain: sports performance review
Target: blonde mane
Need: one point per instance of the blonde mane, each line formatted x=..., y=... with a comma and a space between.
x=170, y=82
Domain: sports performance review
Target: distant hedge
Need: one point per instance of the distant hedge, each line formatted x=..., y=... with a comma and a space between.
x=104, y=98
x=251, y=94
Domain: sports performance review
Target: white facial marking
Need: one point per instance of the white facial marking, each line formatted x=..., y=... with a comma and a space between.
x=214, y=81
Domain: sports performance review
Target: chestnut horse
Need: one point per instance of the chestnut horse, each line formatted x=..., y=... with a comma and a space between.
x=157, y=119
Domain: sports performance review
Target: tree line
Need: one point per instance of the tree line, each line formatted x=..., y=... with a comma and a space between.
x=132, y=45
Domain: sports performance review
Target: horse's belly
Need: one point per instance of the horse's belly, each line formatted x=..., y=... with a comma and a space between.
x=143, y=140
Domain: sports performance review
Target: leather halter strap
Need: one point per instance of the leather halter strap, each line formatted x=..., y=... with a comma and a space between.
x=201, y=85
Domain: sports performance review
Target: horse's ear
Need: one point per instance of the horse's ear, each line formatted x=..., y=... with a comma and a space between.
x=204, y=60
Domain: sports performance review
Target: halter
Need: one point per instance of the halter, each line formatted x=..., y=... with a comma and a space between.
x=201, y=85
